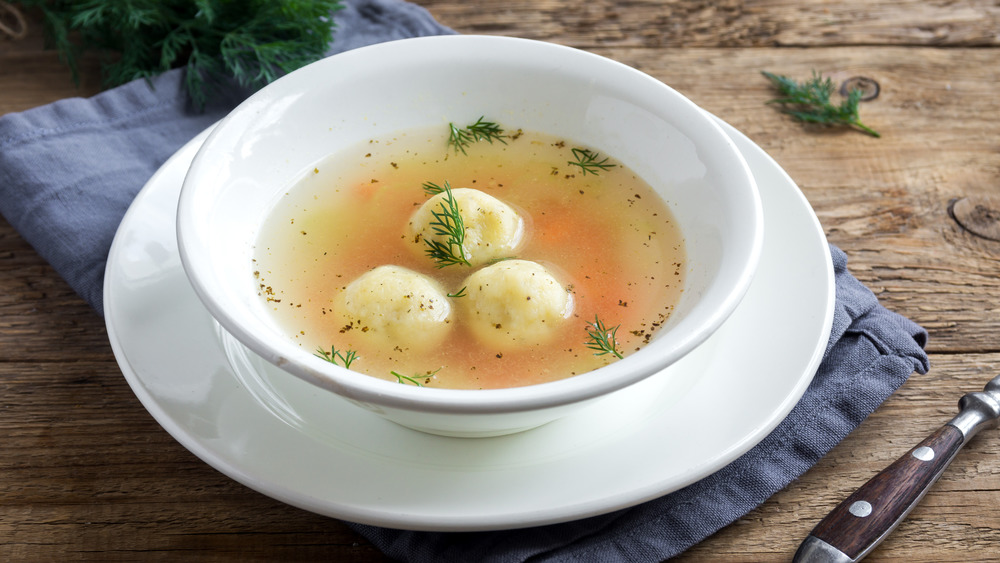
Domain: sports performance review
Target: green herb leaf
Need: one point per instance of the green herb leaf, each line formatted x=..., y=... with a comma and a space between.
x=432, y=189
x=501, y=259
x=458, y=138
x=481, y=130
x=588, y=161
x=602, y=339
x=404, y=379
x=447, y=223
x=809, y=102
x=345, y=358
x=459, y=293
x=253, y=41
x=486, y=131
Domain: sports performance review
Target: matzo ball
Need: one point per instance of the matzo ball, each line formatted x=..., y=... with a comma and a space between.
x=493, y=229
x=515, y=301
x=397, y=305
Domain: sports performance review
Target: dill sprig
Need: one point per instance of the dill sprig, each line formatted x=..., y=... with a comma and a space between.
x=459, y=293
x=404, y=379
x=447, y=223
x=253, y=41
x=345, y=357
x=501, y=259
x=602, y=339
x=809, y=101
x=588, y=161
x=430, y=188
x=486, y=131
x=458, y=138
x=461, y=137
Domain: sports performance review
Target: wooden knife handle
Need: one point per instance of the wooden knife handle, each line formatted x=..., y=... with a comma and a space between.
x=859, y=523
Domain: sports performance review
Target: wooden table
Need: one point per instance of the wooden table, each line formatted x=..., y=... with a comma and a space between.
x=86, y=473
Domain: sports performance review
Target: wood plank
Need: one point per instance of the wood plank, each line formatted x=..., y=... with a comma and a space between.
x=31, y=76
x=729, y=23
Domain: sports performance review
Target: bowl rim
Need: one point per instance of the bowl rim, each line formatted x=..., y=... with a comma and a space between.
x=374, y=391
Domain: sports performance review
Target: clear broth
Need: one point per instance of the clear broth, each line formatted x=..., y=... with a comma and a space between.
x=608, y=237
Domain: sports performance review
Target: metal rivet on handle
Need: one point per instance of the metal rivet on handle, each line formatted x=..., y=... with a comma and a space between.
x=861, y=508
x=923, y=453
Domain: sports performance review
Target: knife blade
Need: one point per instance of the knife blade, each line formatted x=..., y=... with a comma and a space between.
x=866, y=517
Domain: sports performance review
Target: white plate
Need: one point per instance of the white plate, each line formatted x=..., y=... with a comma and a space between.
x=286, y=439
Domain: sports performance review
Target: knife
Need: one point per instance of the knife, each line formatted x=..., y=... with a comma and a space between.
x=865, y=518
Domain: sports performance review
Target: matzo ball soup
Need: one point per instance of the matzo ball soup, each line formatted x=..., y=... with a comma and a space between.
x=568, y=260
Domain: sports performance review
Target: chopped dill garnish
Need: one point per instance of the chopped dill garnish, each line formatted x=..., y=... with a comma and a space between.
x=403, y=379
x=430, y=188
x=588, y=161
x=459, y=293
x=345, y=357
x=809, y=102
x=501, y=259
x=486, y=131
x=447, y=223
x=481, y=130
x=458, y=138
x=602, y=339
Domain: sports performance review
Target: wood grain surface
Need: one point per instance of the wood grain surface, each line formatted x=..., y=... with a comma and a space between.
x=87, y=474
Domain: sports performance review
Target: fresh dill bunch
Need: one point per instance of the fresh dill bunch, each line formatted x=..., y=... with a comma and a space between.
x=400, y=378
x=251, y=41
x=461, y=137
x=345, y=357
x=602, y=339
x=809, y=101
x=588, y=161
x=447, y=223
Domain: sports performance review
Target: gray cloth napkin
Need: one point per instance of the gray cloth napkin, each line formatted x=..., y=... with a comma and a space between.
x=69, y=170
